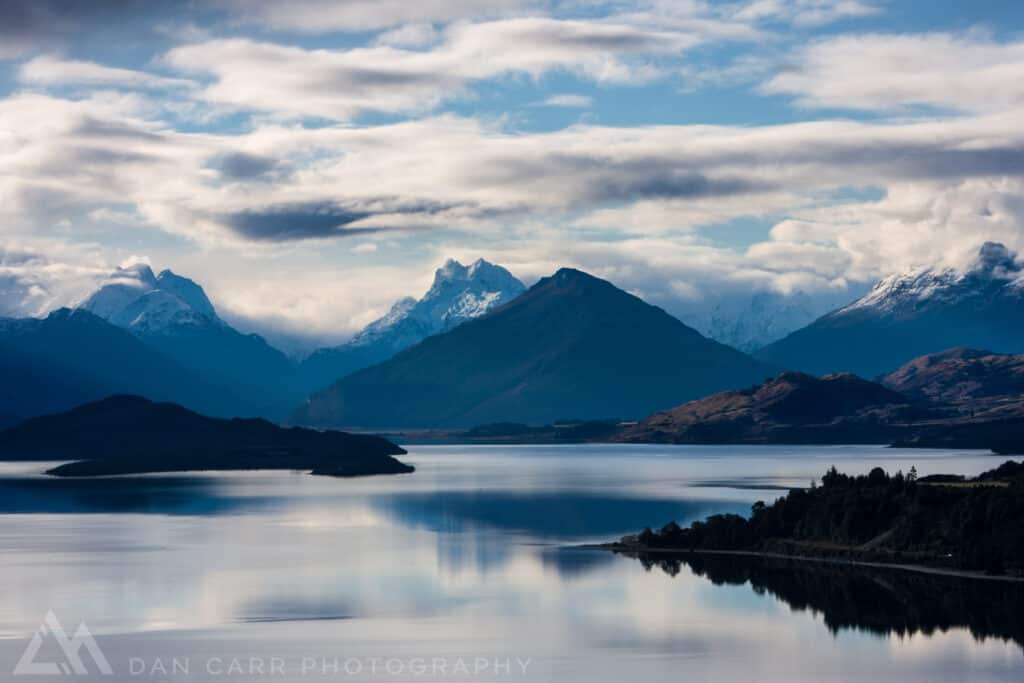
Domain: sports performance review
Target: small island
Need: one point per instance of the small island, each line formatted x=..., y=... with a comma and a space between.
x=132, y=435
x=944, y=523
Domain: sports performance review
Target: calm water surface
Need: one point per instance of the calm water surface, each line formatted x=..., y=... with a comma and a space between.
x=461, y=572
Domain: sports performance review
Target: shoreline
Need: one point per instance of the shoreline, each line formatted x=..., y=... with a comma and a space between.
x=634, y=551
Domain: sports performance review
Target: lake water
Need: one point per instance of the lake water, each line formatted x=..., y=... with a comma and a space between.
x=462, y=572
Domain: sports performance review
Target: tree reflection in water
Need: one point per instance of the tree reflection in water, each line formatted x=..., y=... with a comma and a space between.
x=874, y=600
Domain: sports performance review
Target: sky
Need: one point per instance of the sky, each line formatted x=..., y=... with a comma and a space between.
x=310, y=162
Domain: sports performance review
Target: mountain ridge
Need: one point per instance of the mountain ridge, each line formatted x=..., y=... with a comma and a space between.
x=173, y=314
x=914, y=314
x=571, y=345
x=459, y=293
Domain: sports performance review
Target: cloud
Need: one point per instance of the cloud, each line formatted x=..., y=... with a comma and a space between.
x=342, y=84
x=295, y=221
x=51, y=71
x=806, y=12
x=33, y=282
x=410, y=35
x=244, y=166
x=72, y=157
x=569, y=101
x=638, y=204
x=878, y=72
x=324, y=16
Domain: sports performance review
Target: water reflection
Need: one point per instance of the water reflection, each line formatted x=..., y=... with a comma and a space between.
x=564, y=514
x=879, y=601
x=464, y=558
x=140, y=495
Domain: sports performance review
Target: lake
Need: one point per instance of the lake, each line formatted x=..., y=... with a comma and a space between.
x=465, y=571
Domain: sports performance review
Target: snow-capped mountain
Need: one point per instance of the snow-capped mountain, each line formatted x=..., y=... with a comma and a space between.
x=173, y=314
x=572, y=345
x=133, y=298
x=459, y=293
x=754, y=322
x=994, y=272
x=913, y=314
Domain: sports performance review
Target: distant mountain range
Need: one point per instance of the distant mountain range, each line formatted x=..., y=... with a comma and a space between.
x=913, y=314
x=477, y=349
x=459, y=293
x=173, y=315
x=573, y=345
x=753, y=322
x=160, y=336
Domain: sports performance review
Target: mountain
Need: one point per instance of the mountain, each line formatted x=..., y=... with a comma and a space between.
x=72, y=356
x=750, y=322
x=978, y=384
x=459, y=293
x=132, y=435
x=572, y=346
x=173, y=315
x=914, y=314
x=790, y=408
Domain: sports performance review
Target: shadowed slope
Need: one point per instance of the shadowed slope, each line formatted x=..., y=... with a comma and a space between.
x=571, y=346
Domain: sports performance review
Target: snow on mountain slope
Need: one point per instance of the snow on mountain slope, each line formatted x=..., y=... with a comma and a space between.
x=458, y=293
x=751, y=323
x=124, y=287
x=993, y=272
x=135, y=299
x=914, y=314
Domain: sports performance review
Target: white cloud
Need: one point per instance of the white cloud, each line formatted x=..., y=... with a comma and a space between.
x=51, y=71
x=38, y=275
x=342, y=84
x=964, y=72
x=410, y=35
x=806, y=12
x=569, y=101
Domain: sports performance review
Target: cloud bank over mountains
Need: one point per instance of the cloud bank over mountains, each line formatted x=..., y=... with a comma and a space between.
x=313, y=165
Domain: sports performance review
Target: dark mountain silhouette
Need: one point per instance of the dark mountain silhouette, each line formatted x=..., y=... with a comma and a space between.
x=132, y=435
x=790, y=408
x=72, y=356
x=906, y=316
x=571, y=345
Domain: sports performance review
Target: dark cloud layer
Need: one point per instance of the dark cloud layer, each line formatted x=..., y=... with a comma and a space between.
x=30, y=25
x=243, y=166
x=294, y=222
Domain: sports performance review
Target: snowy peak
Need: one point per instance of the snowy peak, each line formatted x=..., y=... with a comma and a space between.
x=186, y=290
x=996, y=259
x=458, y=293
x=994, y=272
x=135, y=299
x=124, y=286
